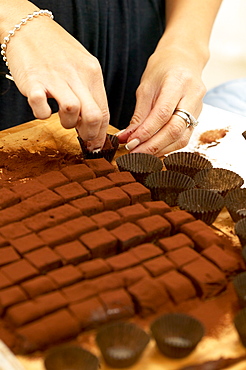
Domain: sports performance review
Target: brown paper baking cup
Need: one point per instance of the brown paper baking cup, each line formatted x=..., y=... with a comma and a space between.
x=235, y=202
x=70, y=357
x=121, y=343
x=177, y=334
x=139, y=164
x=186, y=162
x=240, y=325
x=218, y=179
x=240, y=231
x=108, y=151
x=239, y=283
x=201, y=203
x=167, y=185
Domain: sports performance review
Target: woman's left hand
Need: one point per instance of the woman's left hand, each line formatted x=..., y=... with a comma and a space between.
x=172, y=79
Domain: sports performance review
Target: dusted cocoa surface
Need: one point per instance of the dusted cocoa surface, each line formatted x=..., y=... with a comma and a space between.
x=97, y=271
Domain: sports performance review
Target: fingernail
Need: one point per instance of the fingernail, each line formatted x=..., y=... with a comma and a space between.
x=120, y=132
x=132, y=144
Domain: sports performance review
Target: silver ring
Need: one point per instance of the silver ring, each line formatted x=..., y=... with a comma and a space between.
x=187, y=117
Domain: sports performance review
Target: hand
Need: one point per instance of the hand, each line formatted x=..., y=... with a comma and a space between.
x=172, y=79
x=46, y=61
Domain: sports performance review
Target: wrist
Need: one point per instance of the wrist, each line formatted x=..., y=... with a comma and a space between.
x=11, y=13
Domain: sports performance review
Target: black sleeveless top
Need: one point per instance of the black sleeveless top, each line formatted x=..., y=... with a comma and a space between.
x=122, y=34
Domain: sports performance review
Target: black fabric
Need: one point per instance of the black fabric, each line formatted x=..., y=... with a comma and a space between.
x=122, y=34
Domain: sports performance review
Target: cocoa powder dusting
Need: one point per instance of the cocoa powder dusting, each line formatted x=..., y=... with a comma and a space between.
x=22, y=164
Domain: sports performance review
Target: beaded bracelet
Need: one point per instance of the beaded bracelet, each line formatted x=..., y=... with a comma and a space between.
x=17, y=28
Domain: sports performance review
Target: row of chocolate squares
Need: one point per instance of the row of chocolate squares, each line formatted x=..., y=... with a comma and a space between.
x=54, y=275
x=58, y=315
x=100, y=242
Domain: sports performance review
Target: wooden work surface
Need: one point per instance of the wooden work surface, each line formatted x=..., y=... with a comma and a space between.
x=35, y=136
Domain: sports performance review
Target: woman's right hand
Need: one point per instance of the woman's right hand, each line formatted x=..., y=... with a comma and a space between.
x=46, y=61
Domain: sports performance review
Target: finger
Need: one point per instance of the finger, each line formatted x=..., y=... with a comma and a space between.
x=174, y=134
x=144, y=98
x=37, y=100
x=157, y=118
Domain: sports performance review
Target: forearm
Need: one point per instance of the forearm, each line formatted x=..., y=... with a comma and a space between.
x=188, y=26
x=11, y=13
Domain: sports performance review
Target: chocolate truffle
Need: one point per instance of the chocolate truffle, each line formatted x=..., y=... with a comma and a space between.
x=100, y=166
x=149, y=296
x=100, y=243
x=176, y=241
x=158, y=266
x=178, y=286
x=73, y=252
x=94, y=268
x=133, y=212
x=52, y=179
x=89, y=205
x=107, y=219
x=97, y=184
x=121, y=178
x=113, y=198
x=78, y=172
x=137, y=192
x=207, y=278
x=70, y=191
x=128, y=235
x=118, y=304
x=155, y=226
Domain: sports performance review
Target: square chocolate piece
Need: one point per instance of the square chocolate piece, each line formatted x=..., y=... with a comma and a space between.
x=11, y=296
x=19, y=271
x=146, y=251
x=178, y=286
x=158, y=266
x=8, y=255
x=128, y=235
x=133, y=212
x=70, y=191
x=157, y=207
x=107, y=219
x=28, y=189
x=122, y=261
x=137, y=192
x=89, y=205
x=121, y=178
x=100, y=166
x=73, y=252
x=27, y=243
x=44, y=259
x=181, y=256
x=14, y=230
x=97, y=184
x=38, y=285
x=8, y=198
x=118, y=304
x=78, y=172
x=94, y=268
x=149, y=296
x=89, y=313
x=230, y=264
x=176, y=241
x=207, y=278
x=52, y=179
x=66, y=275
x=155, y=226
x=178, y=218
x=113, y=199
x=100, y=243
